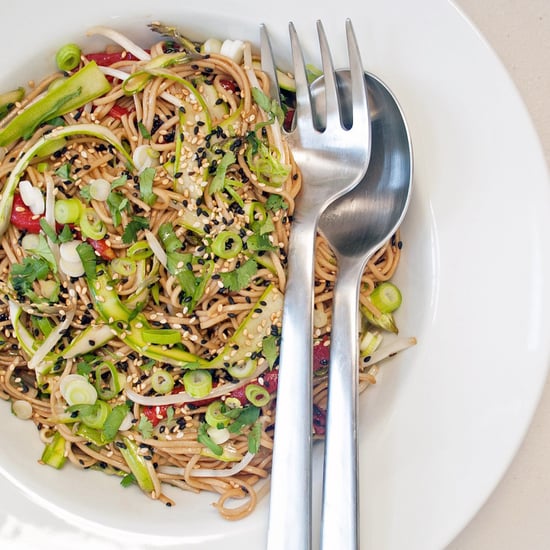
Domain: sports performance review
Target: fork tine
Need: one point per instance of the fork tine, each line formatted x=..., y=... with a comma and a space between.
x=304, y=110
x=331, y=116
x=361, y=118
x=268, y=64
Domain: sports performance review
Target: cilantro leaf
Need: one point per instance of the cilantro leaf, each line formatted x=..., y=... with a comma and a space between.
x=128, y=480
x=88, y=259
x=258, y=242
x=64, y=172
x=247, y=416
x=143, y=130
x=114, y=420
x=131, y=230
x=145, y=427
x=239, y=278
x=270, y=350
x=254, y=437
x=23, y=275
x=275, y=202
x=146, y=179
x=218, y=182
x=206, y=440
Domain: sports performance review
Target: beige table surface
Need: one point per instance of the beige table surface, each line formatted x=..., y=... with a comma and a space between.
x=516, y=516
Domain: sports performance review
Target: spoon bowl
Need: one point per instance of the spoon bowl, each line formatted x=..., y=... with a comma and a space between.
x=356, y=225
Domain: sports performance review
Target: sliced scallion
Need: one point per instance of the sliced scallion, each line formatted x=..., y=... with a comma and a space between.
x=243, y=369
x=94, y=416
x=76, y=390
x=22, y=409
x=198, y=383
x=108, y=381
x=214, y=416
x=67, y=57
x=257, y=395
x=162, y=381
x=386, y=297
x=227, y=244
x=91, y=224
x=67, y=210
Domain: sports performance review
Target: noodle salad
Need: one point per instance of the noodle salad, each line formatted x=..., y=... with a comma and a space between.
x=147, y=198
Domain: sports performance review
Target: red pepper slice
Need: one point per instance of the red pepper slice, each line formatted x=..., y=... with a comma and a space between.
x=229, y=85
x=118, y=112
x=105, y=59
x=22, y=217
x=102, y=248
x=321, y=354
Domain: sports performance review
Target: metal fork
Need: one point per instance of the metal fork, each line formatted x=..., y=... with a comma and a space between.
x=332, y=159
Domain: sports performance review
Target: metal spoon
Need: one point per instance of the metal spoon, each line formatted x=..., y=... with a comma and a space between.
x=356, y=226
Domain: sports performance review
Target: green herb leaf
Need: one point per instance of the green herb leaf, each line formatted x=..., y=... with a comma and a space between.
x=66, y=235
x=44, y=251
x=24, y=274
x=218, y=182
x=143, y=130
x=239, y=278
x=146, y=179
x=254, y=437
x=64, y=172
x=133, y=227
x=270, y=349
x=145, y=427
x=85, y=193
x=88, y=259
x=247, y=416
x=48, y=230
x=276, y=202
x=128, y=480
x=114, y=420
x=206, y=440
x=258, y=242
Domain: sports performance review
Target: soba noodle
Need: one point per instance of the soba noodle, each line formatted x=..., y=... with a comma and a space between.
x=163, y=122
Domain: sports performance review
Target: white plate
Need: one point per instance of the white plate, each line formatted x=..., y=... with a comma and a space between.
x=447, y=417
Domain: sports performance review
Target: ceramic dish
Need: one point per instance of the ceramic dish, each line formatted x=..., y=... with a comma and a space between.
x=446, y=418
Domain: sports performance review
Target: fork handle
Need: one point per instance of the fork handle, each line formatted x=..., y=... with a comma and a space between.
x=290, y=500
x=340, y=508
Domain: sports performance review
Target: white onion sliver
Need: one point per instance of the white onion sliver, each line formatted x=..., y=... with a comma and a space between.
x=211, y=472
x=115, y=73
x=156, y=247
x=52, y=339
x=183, y=397
x=32, y=197
x=121, y=40
x=391, y=347
x=68, y=251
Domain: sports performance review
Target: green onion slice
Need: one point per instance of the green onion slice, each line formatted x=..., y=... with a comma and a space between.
x=257, y=395
x=162, y=381
x=123, y=266
x=91, y=224
x=108, y=381
x=242, y=370
x=227, y=244
x=198, y=383
x=67, y=210
x=68, y=57
x=76, y=390
x=139, y=251
x=386, y=297
x=214, y=416
x=94, y=416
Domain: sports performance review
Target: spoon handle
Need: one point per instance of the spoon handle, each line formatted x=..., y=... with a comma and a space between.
x=340, y=508
x=290, y=501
